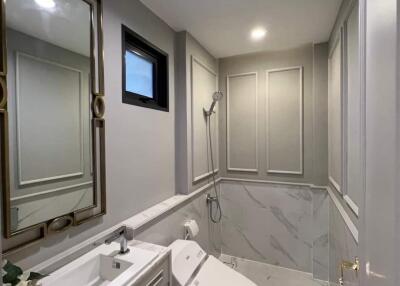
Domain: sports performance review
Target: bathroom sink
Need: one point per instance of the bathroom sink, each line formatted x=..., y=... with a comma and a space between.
x=101, y=266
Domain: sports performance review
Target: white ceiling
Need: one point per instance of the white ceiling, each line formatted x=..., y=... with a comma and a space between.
x=67, y=25
x=223, y=26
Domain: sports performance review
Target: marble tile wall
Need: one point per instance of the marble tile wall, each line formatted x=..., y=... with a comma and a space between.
x=275, y=224
x=320, y=257
x=267, y=274
x=170, y=228
x=342, y=246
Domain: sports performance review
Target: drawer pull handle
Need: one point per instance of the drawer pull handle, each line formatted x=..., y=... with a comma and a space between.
x=157, y=280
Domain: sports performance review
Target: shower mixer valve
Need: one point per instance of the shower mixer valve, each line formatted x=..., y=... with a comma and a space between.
x=210, y=199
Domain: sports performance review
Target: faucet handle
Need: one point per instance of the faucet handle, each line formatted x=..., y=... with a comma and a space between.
x=124, y=232
x=128, y=233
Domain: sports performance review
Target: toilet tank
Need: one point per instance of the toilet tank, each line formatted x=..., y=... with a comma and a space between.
x=186, y=258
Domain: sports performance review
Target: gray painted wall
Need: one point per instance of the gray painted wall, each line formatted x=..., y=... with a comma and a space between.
x=140, y=142
x=342, y=244
x=320, y=111
x=314, y=123
x=190, y=100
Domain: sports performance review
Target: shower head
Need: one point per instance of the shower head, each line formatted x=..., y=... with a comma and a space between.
x=217, y=96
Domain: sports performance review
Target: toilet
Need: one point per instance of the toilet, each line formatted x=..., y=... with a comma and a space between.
x=192, y=266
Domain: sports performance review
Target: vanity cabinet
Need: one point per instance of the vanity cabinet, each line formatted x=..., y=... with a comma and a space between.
x=157, y=274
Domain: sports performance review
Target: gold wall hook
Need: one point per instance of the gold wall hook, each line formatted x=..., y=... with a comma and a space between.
x=348, y=265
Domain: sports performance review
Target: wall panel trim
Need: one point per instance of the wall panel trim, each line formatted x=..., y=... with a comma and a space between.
x=335, y=185
x=349, y=223
x=229, y=168
x=301, y=121
x=55, y=190
x=196, y=179
x=79, y=172
x=352, y=205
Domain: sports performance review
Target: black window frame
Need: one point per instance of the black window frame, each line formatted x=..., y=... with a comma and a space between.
x=134, y=43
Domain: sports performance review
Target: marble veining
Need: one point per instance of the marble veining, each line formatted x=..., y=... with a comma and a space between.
x=277, y=224
x=279, y=215
x=268, y=223
x=276, y=245
x=320, y=262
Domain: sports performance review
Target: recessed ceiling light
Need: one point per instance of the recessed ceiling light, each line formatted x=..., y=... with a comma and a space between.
x=258, y=33
x=48, y=4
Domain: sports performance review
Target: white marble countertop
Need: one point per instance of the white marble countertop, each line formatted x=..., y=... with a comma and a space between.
x=148, y=246
x=135, y=272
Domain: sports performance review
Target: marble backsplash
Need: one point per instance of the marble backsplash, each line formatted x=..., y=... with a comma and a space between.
x=320, y=253
x=285, y=225
x=170, y=228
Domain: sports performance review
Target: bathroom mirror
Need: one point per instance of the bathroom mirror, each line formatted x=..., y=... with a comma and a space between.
x=51, y=107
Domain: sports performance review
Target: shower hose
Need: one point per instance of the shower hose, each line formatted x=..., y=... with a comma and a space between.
x=213, y=202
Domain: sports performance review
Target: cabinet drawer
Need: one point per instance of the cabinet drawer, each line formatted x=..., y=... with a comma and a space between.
x=158, y=275
x=158, y=280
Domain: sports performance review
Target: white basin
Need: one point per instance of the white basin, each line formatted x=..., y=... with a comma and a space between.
x=101, y=266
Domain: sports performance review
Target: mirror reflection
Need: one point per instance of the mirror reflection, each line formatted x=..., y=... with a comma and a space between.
x=49, y=88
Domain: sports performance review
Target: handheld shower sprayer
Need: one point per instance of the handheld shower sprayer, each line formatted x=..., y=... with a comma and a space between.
x=212, y=201
x=217, y=96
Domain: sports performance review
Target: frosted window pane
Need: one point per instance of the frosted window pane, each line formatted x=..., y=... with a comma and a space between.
x=139, y=75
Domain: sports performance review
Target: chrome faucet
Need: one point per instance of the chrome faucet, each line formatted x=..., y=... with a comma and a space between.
x=123, y=234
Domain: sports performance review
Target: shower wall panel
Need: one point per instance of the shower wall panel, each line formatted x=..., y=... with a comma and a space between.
x=285, y=225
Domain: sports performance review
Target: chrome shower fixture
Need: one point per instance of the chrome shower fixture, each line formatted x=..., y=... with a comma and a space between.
x=217, y=96
x=212, y=201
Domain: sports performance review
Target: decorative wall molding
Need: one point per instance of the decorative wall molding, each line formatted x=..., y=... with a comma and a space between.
x=79, y=172
x=345, y=111
x=300, y=171
x=205, y=175
x=335, y=185
x=55, y=190
x=349, y=223
x=342, y=39
x=228, y=139
x=311, y=186
x=352, y=205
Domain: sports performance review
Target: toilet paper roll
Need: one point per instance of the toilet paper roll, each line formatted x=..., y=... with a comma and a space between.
x=191, y=229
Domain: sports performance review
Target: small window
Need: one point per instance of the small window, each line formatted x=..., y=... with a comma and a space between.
x=144, y=72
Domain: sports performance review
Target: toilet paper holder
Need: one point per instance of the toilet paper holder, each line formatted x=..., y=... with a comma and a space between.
x=191, y=229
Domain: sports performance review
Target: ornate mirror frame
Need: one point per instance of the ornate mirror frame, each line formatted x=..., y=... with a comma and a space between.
x=40, y=231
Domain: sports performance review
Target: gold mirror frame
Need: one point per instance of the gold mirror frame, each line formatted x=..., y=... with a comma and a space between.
x=38, y=232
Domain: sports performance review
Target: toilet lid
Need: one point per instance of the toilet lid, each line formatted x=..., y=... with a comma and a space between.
x=215, y=273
